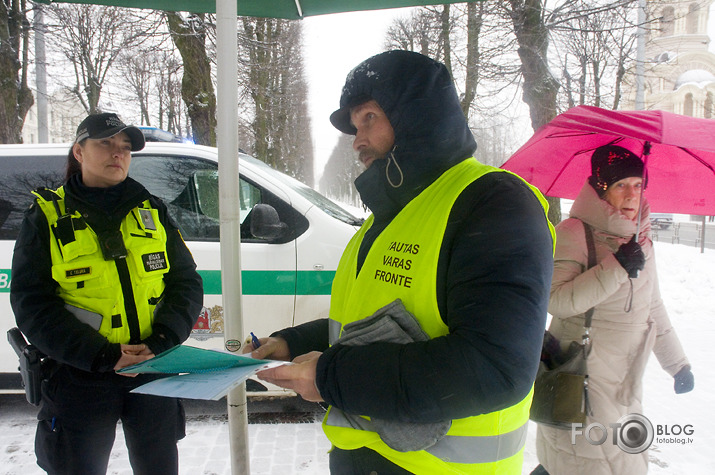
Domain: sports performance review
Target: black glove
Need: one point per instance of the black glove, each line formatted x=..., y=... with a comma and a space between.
x=684, y=380
x=631, y=257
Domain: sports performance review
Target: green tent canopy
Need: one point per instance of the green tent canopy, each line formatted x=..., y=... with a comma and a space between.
x=287, y=9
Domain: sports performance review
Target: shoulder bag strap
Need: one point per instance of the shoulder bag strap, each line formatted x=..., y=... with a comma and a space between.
x=591, y=262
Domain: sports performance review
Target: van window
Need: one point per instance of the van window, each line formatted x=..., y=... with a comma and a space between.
x=173, y=180
x=21, y=175
x=189, y=187
x=206, y=183
x=310, y=194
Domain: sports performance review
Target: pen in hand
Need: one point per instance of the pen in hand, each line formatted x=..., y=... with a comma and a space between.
x=255, y=342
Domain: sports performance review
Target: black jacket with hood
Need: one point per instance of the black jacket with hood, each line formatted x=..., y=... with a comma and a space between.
x=494, y=270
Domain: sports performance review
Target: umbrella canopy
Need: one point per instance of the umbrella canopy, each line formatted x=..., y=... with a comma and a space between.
x=680, y=166
x=287, y=9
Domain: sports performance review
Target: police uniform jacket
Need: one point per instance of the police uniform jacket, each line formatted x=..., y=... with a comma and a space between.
x=40, y=312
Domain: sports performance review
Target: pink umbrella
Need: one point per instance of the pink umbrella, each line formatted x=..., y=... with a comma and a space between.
x=680, y=167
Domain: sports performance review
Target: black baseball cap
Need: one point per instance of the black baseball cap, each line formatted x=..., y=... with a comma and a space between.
x=108, y=124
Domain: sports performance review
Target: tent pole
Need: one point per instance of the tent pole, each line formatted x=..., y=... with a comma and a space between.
x=226, y=131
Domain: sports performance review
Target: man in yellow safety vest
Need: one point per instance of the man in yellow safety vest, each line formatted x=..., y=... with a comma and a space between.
x=438, y=306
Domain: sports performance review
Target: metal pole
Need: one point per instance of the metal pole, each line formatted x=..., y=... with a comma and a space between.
x=640, y=56
x=229, y=212
x=644, y=159
x=702, y=237
x=41, y=75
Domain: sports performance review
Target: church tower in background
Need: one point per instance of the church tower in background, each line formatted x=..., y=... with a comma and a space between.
x=679, y=68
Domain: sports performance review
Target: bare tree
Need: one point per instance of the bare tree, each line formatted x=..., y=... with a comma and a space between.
x=422, y=31
x=151, y=76
x=539, y=86
x=138, y=76
x=168, y=93
x=274, y=78
x=595, y=42
x=15, y=95
x=91, y=38
x=340, y=172
x=190, y=34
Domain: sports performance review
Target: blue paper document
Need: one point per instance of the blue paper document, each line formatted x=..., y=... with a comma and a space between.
x=204, y=374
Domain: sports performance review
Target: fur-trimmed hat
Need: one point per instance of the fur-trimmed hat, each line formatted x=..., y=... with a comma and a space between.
x=612, y=163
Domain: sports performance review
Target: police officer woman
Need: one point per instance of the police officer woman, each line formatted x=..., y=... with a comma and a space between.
x=102, y=279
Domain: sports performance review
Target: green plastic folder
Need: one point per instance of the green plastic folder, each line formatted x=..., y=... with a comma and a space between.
x=189, y=359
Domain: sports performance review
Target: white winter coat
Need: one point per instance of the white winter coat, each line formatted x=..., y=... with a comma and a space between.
x=628, y=323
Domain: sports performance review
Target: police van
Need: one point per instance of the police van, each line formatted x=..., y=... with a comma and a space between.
x=286, y=279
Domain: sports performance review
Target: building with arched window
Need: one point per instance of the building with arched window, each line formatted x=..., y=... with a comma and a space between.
x=679, y=68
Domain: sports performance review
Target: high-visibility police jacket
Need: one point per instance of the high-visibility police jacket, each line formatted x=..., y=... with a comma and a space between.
x=123, y=291
x=487, y=443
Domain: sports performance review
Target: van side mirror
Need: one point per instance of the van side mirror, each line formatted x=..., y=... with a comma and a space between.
x=265, y=223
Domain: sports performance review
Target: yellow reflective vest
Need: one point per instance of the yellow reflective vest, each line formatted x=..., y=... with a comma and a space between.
x=402, y=263
x=116, y=297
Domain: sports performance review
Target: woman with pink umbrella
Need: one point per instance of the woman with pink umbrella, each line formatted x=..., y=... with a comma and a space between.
x=629, y=319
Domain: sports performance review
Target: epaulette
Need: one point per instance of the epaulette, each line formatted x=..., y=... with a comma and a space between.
x=47, y=194
x=50, y=195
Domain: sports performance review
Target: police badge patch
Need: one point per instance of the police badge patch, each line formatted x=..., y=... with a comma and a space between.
x=154, y=261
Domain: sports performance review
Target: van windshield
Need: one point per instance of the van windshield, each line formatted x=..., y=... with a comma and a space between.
x=328, y=206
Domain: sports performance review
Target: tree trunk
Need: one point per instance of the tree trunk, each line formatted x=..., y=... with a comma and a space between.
x=474, y=28
x=620, y=73
x=583, y=62
x=447, y=45
x=196, y=86
x=259, y=31
x=596, y=82
x=15, y=96
x=540, y=88
x=567, y=82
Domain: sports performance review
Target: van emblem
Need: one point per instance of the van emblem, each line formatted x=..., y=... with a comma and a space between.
x=233, y=345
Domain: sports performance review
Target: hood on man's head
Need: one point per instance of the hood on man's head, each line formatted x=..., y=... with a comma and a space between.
x=384, y=78
x=108, y=124
x=418, y=96
x=421, y=103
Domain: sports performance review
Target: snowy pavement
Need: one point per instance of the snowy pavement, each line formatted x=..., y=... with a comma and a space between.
x=286, y=448
x=687, y=282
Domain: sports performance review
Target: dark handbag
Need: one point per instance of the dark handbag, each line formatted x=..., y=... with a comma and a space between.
x=561, y=385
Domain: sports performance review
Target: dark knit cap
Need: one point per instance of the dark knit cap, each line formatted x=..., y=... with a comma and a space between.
x=611, y=163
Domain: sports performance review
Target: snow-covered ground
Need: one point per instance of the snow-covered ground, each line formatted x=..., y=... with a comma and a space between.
x=687, y=282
